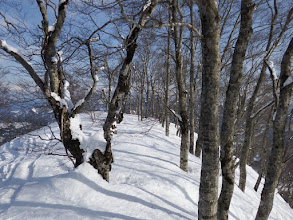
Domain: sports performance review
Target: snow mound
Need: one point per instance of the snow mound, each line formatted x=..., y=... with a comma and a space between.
x=145, y=181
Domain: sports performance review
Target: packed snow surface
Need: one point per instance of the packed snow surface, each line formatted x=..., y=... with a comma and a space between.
x=145, y=182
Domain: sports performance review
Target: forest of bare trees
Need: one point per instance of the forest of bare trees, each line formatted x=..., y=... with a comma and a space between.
x=220, y=70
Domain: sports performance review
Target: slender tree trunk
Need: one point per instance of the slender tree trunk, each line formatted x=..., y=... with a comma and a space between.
x=263, y=152
x=123, y=85
x=142, y=80
x=182, y=90
x=276, y=160
x=209, y=118
x=230, y=106
x=198, y=146
x=147, y=94
x=167, y=92
x=248, y=131
x=249, y=120
x=191, y=83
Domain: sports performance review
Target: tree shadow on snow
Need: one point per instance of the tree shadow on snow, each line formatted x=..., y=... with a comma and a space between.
x=123, y=196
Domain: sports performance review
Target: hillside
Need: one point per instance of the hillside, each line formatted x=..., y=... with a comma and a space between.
x=145, y=181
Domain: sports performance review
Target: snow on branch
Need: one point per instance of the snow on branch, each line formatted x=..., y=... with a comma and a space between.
x=67, y=97
x=22, y=60
x=8, y=48
x=62, y=1
x=51, y=28
x=149, y=2
x=59, y=99
x=176, y=115
x=272, y=69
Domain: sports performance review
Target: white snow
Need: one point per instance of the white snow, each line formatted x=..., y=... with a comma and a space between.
x=271, y=65
x=145, y=182
x=61, y=1
x=95, y=39
x=14, y=50
x=60, y=53
x=87, y=142
x=149, y=2
x=177, y=115
x=59, y=99
x=67, y=96
x=79, y=103
x=51, y=28
x=54, y=59
x=9, y=48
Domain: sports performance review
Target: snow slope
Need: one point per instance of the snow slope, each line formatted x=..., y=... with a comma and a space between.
x=145, y=181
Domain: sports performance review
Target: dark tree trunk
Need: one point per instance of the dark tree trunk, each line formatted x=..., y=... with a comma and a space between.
x=229, y=115
x=122, y=89
x=263, y=152
x=276, y=160
x=249, y=120
x=209, y=118
x=191, y=83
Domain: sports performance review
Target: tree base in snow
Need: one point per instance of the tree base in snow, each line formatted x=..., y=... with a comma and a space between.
x=102, y=162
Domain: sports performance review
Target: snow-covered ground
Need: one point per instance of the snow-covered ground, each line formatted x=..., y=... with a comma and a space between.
x=145, y=181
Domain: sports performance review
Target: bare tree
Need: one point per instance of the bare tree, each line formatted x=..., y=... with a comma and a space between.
x=229, y=115
x=122, y=88
x=276, y=160
x=183, y=119
x=54, y=85
x=192, y=82
x=211, y=60
x=270, y=47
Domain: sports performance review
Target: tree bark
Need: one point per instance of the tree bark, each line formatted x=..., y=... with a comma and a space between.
x=249, y=120
x=264, y=152
x=208, y=190
x=230, y=106
x=168, y=73
x=181, y=89
x=123, y=85
x=191, y=83
x=276, y=160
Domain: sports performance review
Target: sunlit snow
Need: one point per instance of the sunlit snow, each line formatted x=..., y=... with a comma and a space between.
x=145, y=182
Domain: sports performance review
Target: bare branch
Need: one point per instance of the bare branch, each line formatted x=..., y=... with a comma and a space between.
x=21, y=59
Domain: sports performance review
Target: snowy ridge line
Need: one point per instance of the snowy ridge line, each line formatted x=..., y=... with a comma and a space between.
x=145, y=181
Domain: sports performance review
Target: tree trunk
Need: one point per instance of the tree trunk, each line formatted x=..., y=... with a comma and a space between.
x=181, y=89
x=147, y=95
x=276, y=160
x=249, y=120
x=168, y=73
x=123, y=85
x=209, y=118
x=191, y=83
x=142, y=80
x=263, y=153
x=230, y=106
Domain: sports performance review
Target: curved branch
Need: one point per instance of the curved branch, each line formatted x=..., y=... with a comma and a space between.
x=21, y=59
